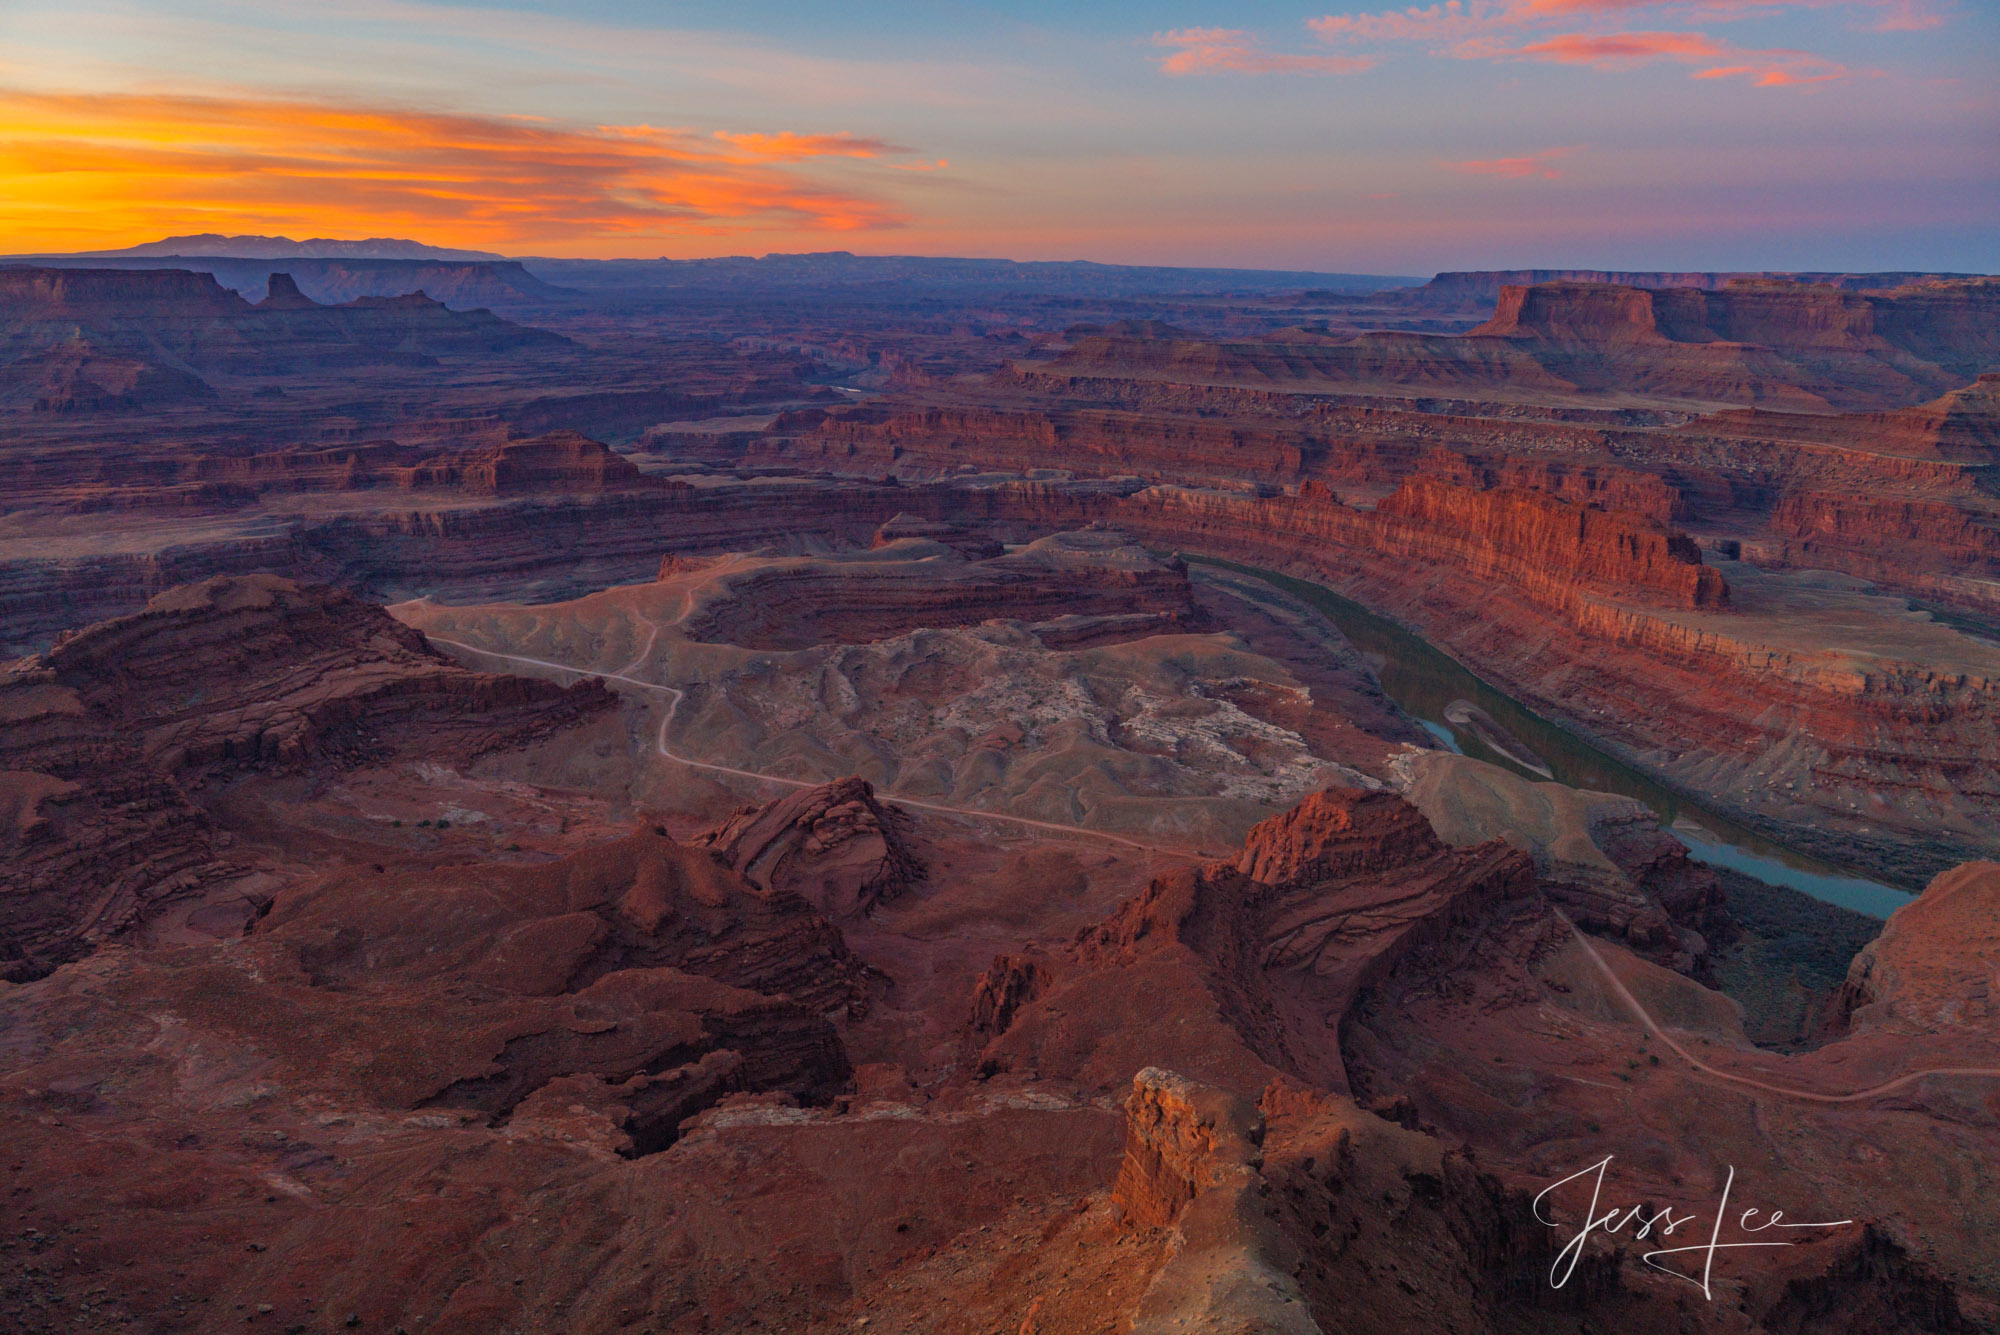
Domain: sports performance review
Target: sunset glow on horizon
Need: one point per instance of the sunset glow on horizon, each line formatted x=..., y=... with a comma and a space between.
x=99, y=169
x=1467, y=133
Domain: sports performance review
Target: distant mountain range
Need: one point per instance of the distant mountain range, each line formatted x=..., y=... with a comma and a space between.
x=284, y=248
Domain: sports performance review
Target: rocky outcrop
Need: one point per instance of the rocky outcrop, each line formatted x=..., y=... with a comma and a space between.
x=1009, y=983
x=1336, y=834
x=1246, y=970
x=258, y=670
x=1963, y=425
x=942, y=438
x=1932, y=969
x=282, y=294
x=550, y=545
x=835, y=846
x=1181, y=1141
x=561, y=463
x=102, y=737
x=1191, y=1160
x=1946, y=448
x=625, y=414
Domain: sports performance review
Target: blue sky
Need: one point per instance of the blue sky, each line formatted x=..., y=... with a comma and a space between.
x=1704, y=134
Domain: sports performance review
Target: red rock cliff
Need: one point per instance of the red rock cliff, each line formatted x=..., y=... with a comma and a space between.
x=1531, y=539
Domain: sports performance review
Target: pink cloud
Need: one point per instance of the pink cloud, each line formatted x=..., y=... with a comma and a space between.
x=1234, y=51
x=1506, y=30
x=1783, y=74
x=1531, y=164
x=1622, y=48
x=1770, y=69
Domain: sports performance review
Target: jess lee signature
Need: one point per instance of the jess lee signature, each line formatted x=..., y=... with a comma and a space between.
x=1663, y=1223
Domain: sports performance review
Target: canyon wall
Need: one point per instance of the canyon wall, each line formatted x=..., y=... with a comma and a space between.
x=1530, y=538
x=104, y=737
x=1594, y=617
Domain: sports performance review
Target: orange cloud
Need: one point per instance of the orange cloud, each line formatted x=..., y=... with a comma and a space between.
x=1231, y=50
x=787, y=147
x=1532, y=164
x=78, y=170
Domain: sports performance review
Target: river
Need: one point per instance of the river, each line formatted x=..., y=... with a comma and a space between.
x=1424, y=680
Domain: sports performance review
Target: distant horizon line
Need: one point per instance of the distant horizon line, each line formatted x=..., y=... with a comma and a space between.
x=467, y=256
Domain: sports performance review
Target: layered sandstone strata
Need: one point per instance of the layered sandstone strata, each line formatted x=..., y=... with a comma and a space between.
x=1804, y=701
x=1944, y=550
x=1472, y=568
x=835, y=846
x=1931, y=969
x=1257, y=961
x=1750, y=343
x=197, y=484
x=624, y=1053
x=711, y=985
x=177, y=322
x=1191, y=1160
x=76, y=376
x=1084, y=577
x=103, y=738
x=1603, y=859
x=1359, y=965
x=1529, y=537
x=1752, y=340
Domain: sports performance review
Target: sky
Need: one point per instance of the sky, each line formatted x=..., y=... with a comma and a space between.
x=1699, y=134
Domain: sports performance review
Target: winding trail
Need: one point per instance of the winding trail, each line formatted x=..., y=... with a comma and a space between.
x=1631, y=1002
x=1617, y=985
x=690, y=762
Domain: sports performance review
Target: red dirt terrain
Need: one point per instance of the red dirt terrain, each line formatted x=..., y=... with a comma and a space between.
x=598, y=1090
x=736, y=797
x=107, y=736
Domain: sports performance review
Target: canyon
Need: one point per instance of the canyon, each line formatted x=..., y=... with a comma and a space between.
x=821, y=791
